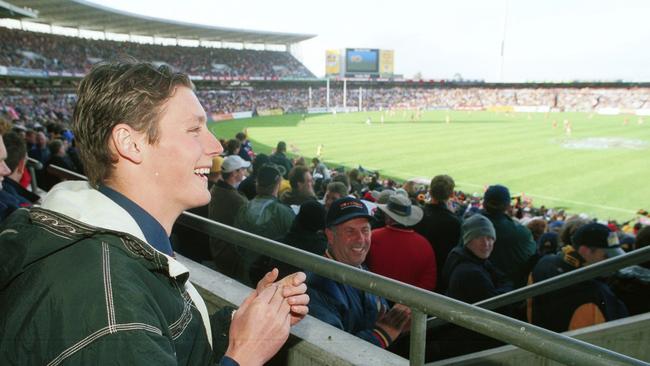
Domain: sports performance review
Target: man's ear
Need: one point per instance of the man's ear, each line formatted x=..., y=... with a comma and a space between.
x=20, y=168
x=127, y=142
x=330, y=235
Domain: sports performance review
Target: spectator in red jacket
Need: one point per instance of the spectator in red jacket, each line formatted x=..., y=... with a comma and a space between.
x=397, y=251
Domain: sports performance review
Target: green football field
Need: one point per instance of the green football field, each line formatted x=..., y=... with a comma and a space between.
x=601, y=168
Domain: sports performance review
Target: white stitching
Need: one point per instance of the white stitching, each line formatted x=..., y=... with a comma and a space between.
x=100, y=333
x=108, y=287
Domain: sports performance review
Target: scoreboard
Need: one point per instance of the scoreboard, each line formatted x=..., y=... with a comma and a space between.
x=359, y=62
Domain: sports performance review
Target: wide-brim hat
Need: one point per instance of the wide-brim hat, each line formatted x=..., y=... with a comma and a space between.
x=400, y=209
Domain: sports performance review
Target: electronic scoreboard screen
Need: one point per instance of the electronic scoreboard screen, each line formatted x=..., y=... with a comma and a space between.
x=361, y=61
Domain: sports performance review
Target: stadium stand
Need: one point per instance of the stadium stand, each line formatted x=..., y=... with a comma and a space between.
x=45, y=103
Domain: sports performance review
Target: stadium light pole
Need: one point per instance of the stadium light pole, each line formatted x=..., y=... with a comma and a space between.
x=345, y=94
x=360, y=98
x=503, y=40
x=327, y=94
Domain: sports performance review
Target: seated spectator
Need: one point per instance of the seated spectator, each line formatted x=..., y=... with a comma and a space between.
x=547, y=244
x=469, y=274
x=397, y=251
x=514, y=247
x=247, y=187
x=16, y=160
x=471, y=277
x=279, y=157
x=345, y=307
x=335, y=190
x=264, y=216
x=537, y=227
x=302, y=187
x=40, y=150
x=440, y=226
x=306, y=232
x=246, y=150
x=584, y=304
x=8, y=202
x=232, y=147
x=224, y=204
x=319, y=170
x=632, y=284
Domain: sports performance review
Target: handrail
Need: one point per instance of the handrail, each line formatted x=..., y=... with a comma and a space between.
x=546, y=343
x=33, y=165
x=554, y=283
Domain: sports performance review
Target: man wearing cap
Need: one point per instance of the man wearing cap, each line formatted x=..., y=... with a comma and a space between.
x=471, y=277
x=584, y=304
x=224, y=204
x=397, y=251
x=345, y=307
x=264, y=216
x=514, y=248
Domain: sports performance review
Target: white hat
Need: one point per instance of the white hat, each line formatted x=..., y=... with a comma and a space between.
x=232, y=163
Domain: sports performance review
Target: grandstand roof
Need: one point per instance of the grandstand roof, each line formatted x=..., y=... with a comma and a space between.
x=85, y=15
x=12, y=11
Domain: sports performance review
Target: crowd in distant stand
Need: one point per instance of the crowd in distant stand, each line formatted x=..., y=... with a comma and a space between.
x=57, y=53
x=45, y=104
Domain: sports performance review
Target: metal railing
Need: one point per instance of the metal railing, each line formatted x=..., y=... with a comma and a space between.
x=537, y=340
x=555, y=283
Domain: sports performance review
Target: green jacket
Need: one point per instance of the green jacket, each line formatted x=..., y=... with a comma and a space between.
x=514, y=248
x=264, y=216
x=81, y=291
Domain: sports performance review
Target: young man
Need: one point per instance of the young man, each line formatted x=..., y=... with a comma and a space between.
x=90, y=278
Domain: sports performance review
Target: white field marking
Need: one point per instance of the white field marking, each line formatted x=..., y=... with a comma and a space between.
x=550, y=198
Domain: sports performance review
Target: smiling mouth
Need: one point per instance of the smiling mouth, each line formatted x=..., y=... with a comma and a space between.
x=202, y=173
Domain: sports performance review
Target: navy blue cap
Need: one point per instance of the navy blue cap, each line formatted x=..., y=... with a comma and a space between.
x=596, y=235
x=345, y=209
x=497, y=193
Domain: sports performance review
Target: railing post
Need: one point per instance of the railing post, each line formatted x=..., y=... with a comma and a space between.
x=418, y=338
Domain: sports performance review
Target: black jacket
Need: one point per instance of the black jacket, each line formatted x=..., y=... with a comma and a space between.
x=441, y=227
x=586, y=303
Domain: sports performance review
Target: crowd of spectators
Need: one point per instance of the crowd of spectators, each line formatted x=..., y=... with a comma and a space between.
x=57, y=53
x=426, y=234
x=48, y=104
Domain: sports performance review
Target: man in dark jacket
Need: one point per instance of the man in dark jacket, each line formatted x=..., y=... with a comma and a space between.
x=584, y=304
x=223, y=207
x=279, y=157
x=514, y=248
x=440, y=226
x=471, y=278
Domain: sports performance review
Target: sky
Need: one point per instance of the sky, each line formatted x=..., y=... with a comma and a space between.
x=544, y=40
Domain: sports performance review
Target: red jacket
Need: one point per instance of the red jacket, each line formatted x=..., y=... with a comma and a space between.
x=403, y=255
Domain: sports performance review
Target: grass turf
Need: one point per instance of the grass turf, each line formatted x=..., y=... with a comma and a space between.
x=606, y=178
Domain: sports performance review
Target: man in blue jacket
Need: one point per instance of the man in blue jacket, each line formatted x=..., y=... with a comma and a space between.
x=363, y=314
